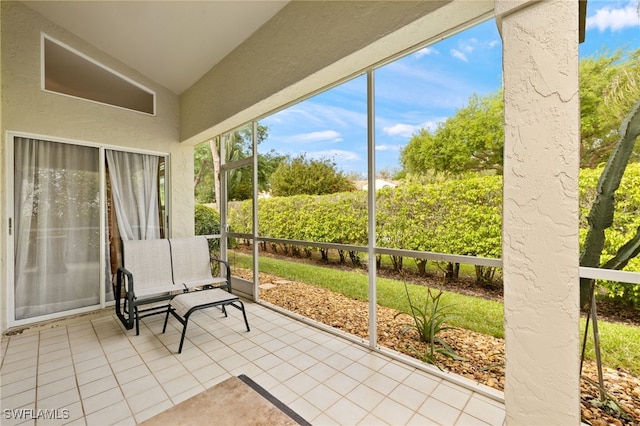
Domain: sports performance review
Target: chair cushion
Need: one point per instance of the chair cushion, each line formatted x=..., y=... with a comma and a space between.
x=191, y=261
x=150, y=263
x=184, y=302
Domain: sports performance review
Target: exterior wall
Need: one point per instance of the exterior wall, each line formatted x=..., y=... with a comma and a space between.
x=307, y=46
x=540, y=211
x=26, y=108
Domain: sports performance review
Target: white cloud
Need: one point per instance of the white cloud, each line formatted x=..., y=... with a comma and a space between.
x=318, y=114
x=388, y=147
x=426, y=51
x=408, y=130
x=431, y=125
x=615, y=19
x=468, y=47
x=459, y=55
x=335, y=154
x=401, y=129
x=324, y=136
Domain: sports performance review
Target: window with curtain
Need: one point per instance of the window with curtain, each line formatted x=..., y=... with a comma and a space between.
x=135, y=201
x=134, y=188
x=57, y=227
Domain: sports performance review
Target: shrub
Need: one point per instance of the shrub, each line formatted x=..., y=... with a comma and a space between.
x=462, y=216
x=302, y=175
x=207, y=222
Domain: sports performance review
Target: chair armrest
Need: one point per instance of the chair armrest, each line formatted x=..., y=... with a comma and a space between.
x=227, y=271
x=120, y=273
x=127, y=321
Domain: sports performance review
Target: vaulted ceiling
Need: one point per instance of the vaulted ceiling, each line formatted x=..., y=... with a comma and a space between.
x=172, y=42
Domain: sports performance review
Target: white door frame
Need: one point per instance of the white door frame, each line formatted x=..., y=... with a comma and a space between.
x=10, y=241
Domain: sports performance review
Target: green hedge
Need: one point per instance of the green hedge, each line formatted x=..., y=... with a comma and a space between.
x=462, y=217
x=207, y=222
x=457, y=217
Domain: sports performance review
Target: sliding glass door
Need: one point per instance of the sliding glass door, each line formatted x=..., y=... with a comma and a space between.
x=73, y=204
x=57, y=227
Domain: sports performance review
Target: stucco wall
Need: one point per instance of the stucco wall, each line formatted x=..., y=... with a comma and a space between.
x=307, y=46
x=26, y=108
x=540, y=211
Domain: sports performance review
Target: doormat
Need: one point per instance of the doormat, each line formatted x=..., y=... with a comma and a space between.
x=235, y=401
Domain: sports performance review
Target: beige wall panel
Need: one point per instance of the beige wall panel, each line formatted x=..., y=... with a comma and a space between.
x=540, y=213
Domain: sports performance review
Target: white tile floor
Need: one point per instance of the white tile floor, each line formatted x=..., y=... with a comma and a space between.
x=91, y=371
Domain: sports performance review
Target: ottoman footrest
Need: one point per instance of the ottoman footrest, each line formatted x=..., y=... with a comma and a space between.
x=184, y=304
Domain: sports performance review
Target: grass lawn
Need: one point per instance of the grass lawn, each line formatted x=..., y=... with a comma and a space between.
x=620, y=343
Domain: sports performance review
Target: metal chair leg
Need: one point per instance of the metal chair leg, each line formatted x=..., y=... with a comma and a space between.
x=166, y=320
x=184, y=332
x=244, y=314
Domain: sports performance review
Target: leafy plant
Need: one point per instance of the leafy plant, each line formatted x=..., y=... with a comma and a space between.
x=207, y=222
x=302, y=175
x=609, y=403
x=473, y=138
x=602, y=211
x=429, y=320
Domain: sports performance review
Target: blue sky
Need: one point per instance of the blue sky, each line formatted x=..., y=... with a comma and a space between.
x=420, y=90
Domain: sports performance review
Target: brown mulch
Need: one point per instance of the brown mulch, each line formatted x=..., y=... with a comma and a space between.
x=483, y=355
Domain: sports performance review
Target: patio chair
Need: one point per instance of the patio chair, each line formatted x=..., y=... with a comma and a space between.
x=192, y=263
x=145, y=278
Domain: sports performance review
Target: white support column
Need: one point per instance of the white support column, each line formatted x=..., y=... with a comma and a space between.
x=540, y=211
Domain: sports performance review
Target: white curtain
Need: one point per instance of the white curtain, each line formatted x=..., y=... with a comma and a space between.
x=57, y=227
x=134, y=185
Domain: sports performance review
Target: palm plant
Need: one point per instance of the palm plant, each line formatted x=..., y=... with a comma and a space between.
x=429, y=320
